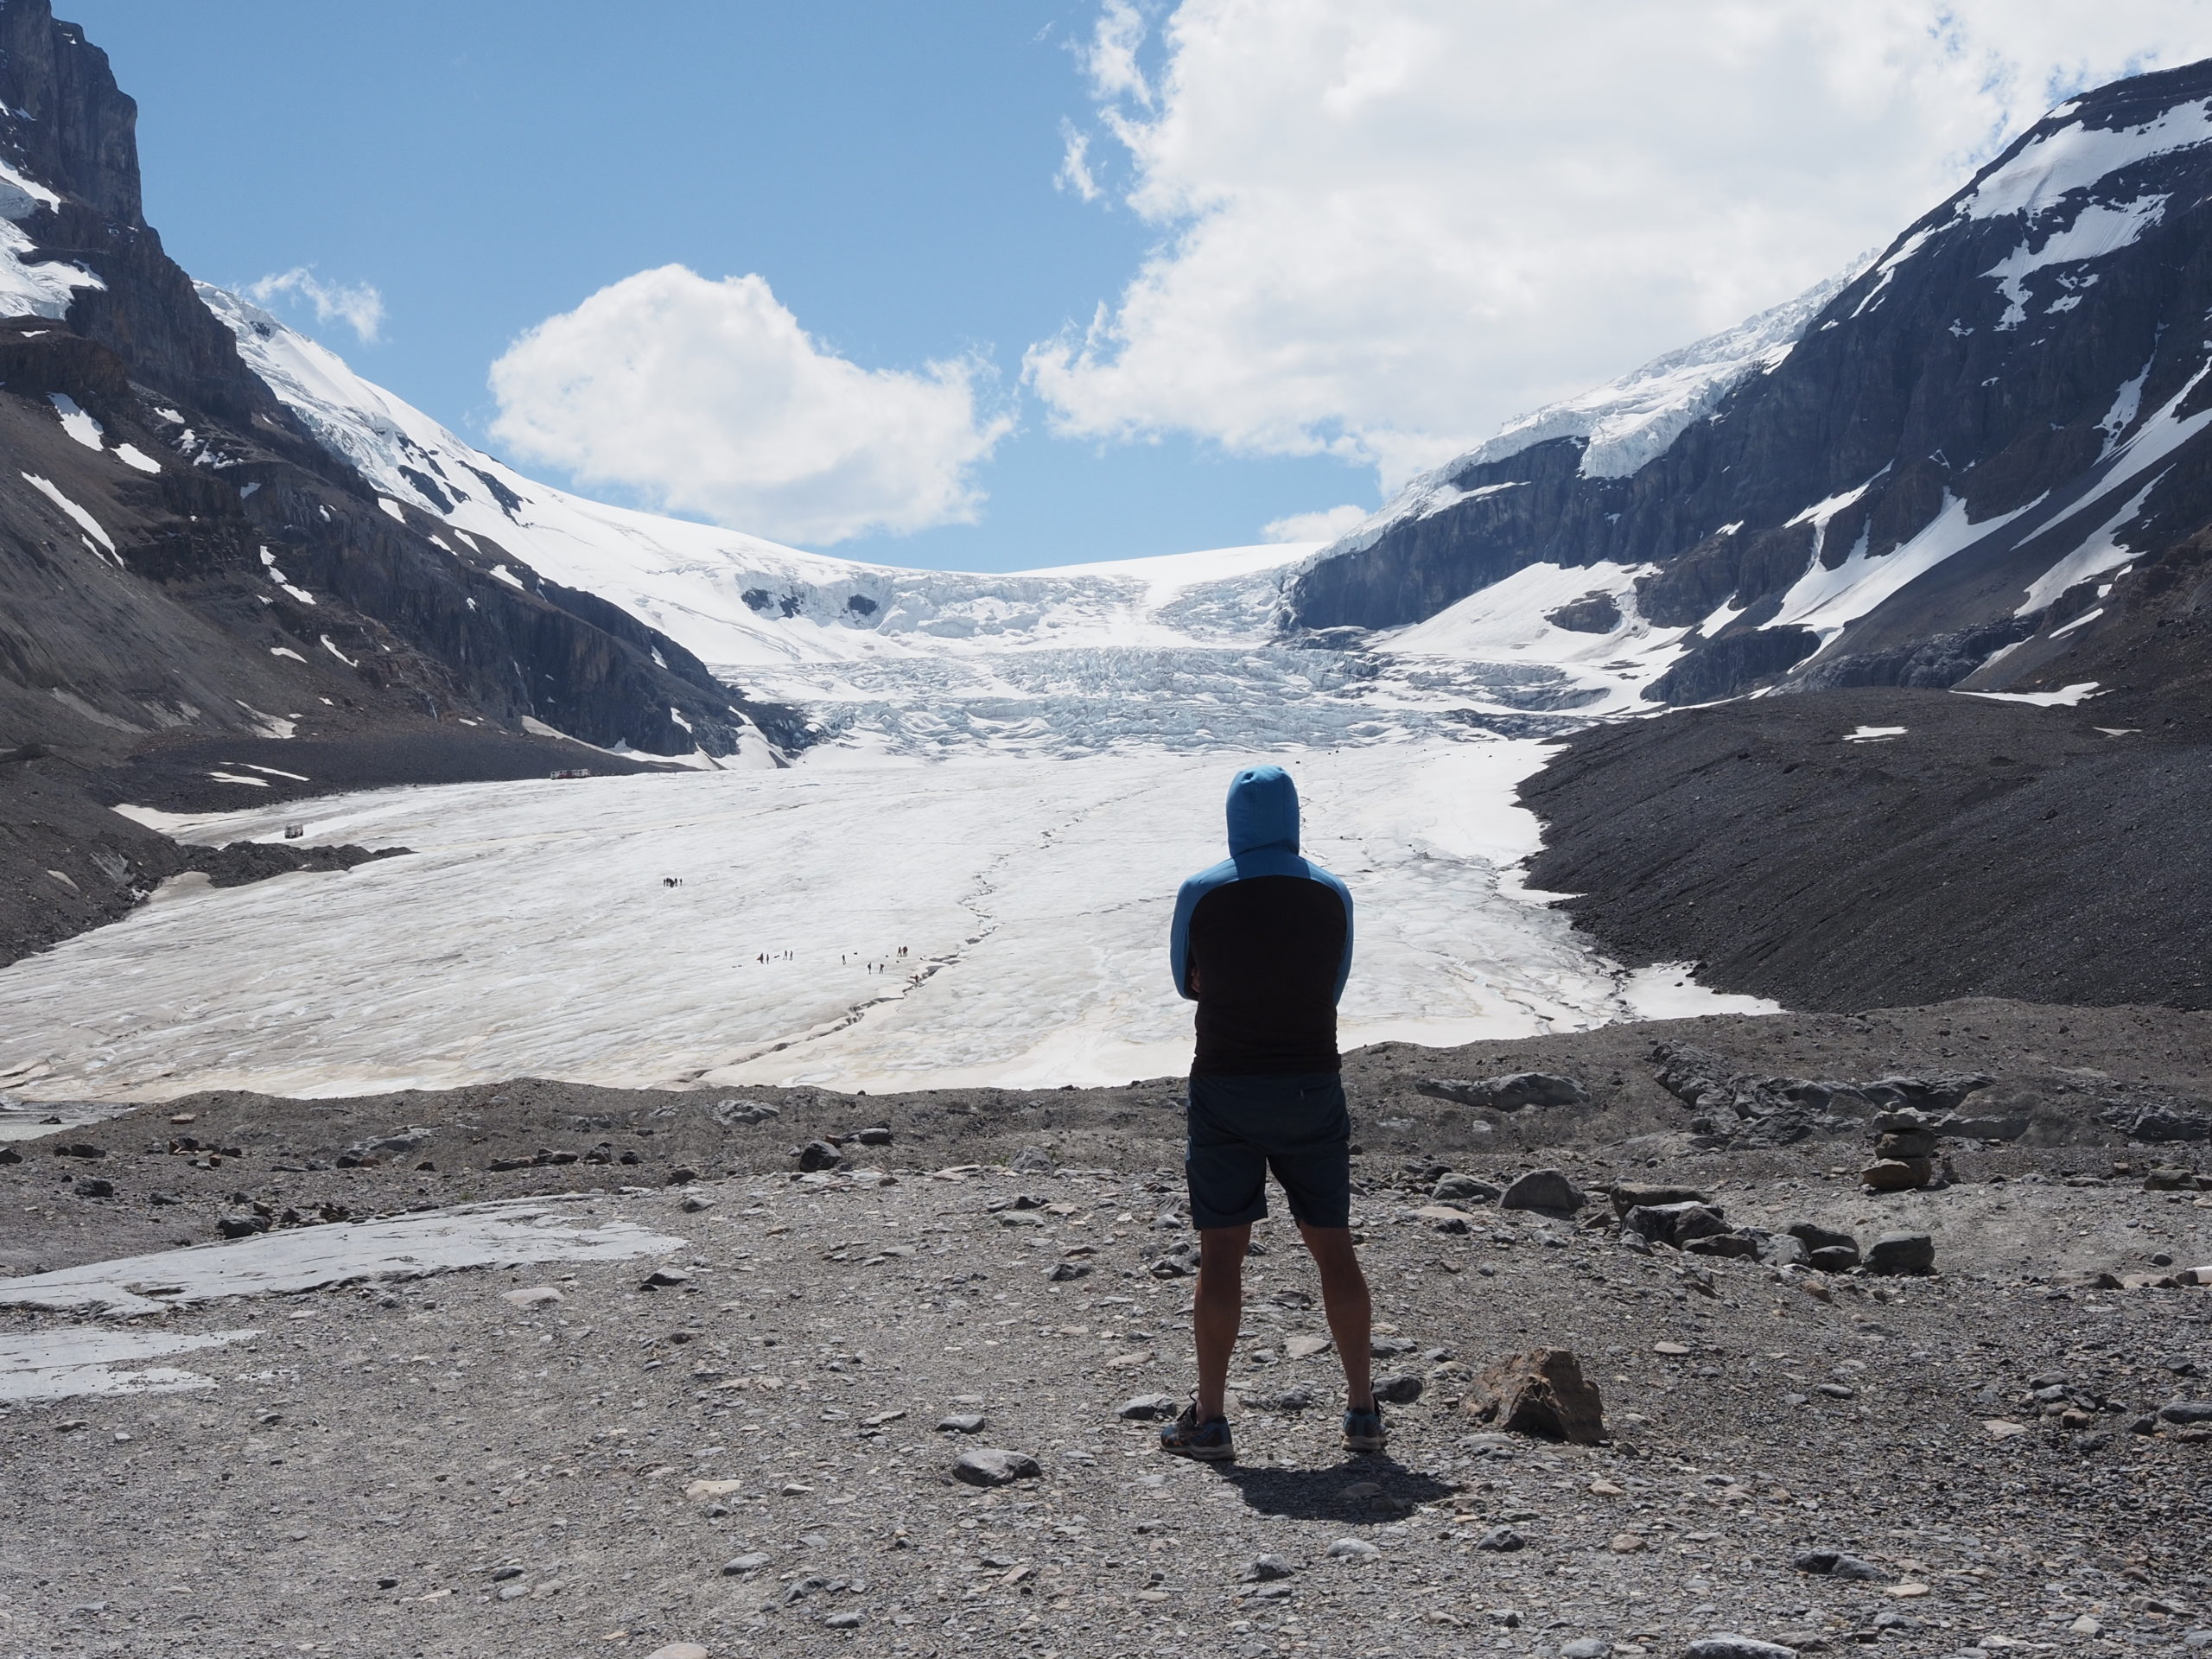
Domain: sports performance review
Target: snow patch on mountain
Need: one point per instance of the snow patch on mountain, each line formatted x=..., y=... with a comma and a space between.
x=43, y=288
x=2077, y=157
x=1521, y=619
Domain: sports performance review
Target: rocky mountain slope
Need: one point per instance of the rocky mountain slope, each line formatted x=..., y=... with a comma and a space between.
x=1875, y=847
x=1981, y=462
x=182, y=555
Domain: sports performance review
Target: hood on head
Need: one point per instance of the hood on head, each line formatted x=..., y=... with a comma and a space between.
x=1262, y=811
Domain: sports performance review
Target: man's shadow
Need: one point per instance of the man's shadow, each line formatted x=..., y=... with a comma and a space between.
x=1319, y=1494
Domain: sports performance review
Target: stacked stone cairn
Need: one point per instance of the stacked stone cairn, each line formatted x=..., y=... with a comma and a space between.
x=1906, y=1153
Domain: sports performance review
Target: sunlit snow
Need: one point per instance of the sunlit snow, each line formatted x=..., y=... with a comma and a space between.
x=530, y=934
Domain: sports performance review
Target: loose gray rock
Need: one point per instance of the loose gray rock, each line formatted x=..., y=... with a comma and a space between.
x=736, y=1113
x=2187, y=1413
x=819, y=1154
x=1264, y=1569
x=1779, y=1249
x=962, y=1423
x=241, y=1226
x=1148, y=1408
x=1399, y=1391
x=1675, y=1223
x=994, y=1466
x=1463, y=1189
x=738, y=1566
x=1353, y=1549
x=1836, y=1564
x=1062, y=1272
x=1031, y=1161
x=1813, y=1236
x=1586, y=1646
x=1634, y=1195
x=1833, y=1258
x=849, y=1620
x=666, y=1279
x=1503, y=1541
x=1736, y=1647
x=1900, y=1253
x=1508, y=1094
x=1547, y=1190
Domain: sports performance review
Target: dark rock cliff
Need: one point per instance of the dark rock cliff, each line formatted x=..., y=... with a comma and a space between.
x=2019, y=382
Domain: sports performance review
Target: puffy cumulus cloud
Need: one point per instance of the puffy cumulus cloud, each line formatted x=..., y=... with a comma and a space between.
x=1387, y=227
x=1323, y=526
x=708, y=398
x=357, y=305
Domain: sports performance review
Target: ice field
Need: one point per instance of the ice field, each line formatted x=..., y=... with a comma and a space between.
x=531, y=934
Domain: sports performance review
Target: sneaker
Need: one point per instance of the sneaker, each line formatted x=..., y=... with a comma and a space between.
x=1364, y=1430
x=1186, y=1437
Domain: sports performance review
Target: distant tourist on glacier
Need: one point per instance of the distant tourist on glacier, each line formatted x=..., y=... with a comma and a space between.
x=1262, y=943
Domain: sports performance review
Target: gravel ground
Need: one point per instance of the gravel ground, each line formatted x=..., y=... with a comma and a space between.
x=432, y=1465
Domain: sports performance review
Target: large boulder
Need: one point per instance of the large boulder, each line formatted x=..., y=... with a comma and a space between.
x=1546, y=1190
x=1898, y=1175
x=1543, y=1393
x=1896, y=1253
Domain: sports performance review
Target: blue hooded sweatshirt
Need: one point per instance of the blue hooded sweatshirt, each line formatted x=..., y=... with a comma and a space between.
x=1263, y=942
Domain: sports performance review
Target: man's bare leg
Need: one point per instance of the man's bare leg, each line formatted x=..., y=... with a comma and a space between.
x=1219, y=1313
x=1351, y=1312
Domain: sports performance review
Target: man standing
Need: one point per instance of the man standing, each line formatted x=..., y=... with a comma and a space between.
x=1262, y=943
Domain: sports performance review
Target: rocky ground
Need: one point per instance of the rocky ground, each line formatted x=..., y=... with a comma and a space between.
x=1861, y=847
x=552, y=1457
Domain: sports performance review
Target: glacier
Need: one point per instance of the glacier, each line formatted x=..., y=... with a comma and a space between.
x=531, y=933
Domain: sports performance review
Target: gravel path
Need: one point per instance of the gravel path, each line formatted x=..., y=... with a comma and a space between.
x=550, y=1458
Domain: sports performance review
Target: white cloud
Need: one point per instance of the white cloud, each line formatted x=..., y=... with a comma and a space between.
x=708, y=398
x=1323, y=526
x=1387, y=227
x=1075, y=163
x=357, y=305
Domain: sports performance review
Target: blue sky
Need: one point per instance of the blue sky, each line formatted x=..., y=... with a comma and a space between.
x=887, y=169
x=1007, y=282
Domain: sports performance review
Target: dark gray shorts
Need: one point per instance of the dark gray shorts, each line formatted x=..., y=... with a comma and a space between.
x=1240, y=1127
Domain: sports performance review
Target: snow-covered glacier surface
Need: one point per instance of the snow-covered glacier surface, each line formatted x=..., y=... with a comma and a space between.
x=531, y=934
